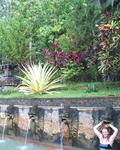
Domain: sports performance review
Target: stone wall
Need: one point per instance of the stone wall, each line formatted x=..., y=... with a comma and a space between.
x=90, y=112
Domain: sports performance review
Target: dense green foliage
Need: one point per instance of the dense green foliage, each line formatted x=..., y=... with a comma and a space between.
x=28, y=27
x=14, y=40
x=109, y=41
x=70, y=22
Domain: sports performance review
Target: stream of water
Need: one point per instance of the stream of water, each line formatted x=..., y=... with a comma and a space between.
x=4, y=127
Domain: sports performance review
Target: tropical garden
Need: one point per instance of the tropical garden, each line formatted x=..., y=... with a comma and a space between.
x=61, y=48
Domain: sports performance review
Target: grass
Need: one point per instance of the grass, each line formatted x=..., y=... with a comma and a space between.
x=72, y=89
x=100, y=85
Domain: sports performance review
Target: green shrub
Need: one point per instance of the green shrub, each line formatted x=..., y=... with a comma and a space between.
x=70, y=71
x=91, y=88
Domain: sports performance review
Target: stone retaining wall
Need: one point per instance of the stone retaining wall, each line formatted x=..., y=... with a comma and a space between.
x=81, y=102
x=90, y=112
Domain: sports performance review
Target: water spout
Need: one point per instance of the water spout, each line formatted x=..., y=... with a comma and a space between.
x=61, y=135
x=28, y=127
x=4, y=127
x=61, y=141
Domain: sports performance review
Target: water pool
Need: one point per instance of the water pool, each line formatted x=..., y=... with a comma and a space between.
x=9, y=144
x=13, y=145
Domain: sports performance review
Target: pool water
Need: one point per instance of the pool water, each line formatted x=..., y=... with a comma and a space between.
x=9, y=144
x=13, y=145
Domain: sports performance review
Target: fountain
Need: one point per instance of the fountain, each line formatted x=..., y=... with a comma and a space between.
x=36, y=115
x=28, y=127
x=62, y=125
x=12, y=114
x=69, y=123
x=4, y=127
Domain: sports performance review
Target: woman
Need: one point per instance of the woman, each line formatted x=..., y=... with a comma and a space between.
x=106, y=140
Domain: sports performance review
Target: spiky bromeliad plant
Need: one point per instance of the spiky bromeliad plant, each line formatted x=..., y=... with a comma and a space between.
x=39, y=79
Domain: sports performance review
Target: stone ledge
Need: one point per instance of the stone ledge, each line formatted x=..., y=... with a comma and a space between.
x=73, y=102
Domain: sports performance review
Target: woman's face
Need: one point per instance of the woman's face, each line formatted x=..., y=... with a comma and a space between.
x=105, y=133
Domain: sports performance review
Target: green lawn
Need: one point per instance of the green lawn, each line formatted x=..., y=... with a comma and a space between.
x=74, y=90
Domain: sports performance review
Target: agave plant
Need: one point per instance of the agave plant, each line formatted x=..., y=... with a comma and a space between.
x=39, y=78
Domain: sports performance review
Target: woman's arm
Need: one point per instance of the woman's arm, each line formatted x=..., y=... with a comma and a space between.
x=97, y=132
x=112, y=137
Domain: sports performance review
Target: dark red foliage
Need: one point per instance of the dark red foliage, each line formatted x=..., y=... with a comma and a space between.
x=60, y=58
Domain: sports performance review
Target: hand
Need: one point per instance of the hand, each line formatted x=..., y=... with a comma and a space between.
x=106, y=121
